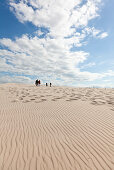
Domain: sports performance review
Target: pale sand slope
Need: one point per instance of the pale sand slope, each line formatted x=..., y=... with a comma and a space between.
x=57, y=128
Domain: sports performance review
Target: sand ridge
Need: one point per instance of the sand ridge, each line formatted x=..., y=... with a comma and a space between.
x=58, y=128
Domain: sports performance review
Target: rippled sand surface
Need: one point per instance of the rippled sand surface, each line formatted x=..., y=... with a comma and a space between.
x=56, y=128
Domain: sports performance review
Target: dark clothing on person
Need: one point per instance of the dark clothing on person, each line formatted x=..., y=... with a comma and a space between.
x=46, y=84
x=36, y=82
x=50, y=84
x=39, y=82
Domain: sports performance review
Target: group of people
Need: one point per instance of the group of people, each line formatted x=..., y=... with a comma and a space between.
x=47, y=84
x=38, y=82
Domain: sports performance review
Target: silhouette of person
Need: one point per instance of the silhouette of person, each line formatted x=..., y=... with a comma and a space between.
x=50, y=84
x=36, y=82
x=39, y=82
x=46, y=84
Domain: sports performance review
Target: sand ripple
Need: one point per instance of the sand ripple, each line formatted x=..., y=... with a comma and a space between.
x=66, y=134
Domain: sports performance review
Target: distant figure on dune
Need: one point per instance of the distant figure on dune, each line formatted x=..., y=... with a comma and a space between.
x=50, y=84
x=36, y=82
x=39, y=82
x=46, y=84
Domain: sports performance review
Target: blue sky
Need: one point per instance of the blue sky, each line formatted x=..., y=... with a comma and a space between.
x=65, y=42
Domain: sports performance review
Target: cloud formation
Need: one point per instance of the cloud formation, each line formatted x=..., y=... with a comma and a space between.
x=45, y=58
x=51, y=57
x=62, y=17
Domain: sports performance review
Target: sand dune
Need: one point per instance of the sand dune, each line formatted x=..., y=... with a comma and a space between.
x=57, y=128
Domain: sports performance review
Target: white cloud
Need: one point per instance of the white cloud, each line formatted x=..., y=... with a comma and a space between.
x=103, y=35
x=39, y=33
x=15, y=79
x=88, y=65
x=94, y=32
x=48, y=59
x=60, y=16
x=110, y=73
x=34, y=55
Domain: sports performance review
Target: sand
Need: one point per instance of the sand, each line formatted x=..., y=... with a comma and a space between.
x=56, y=128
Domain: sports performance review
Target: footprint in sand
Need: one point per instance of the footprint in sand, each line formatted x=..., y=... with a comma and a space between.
x=73, y=99
x=26, y=101
x=20, y=98
x=53, y=99
x=32, y=99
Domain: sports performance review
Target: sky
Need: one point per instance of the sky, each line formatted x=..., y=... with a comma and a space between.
x=65, y=42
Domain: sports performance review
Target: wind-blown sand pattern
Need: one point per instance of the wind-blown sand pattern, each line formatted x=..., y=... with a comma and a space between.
x=57, y=128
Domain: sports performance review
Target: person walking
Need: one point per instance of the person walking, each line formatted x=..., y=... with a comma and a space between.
x=50, y=84
x=36, y=82
x=39, y=82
